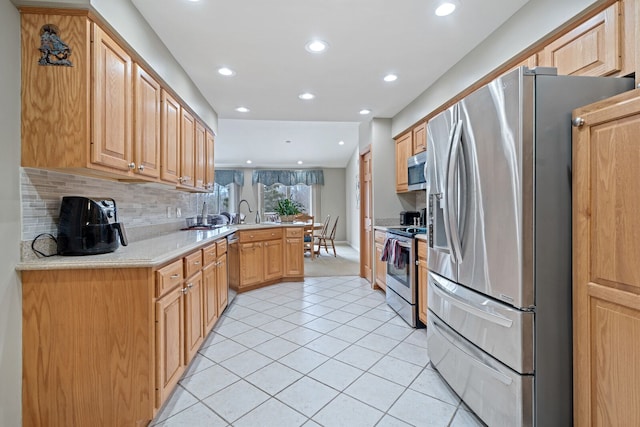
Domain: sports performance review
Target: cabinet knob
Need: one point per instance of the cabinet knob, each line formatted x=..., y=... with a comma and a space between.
x=577, y=122
x=190, y=285
x=141, y=168
x=184, y=290
x=131, y=165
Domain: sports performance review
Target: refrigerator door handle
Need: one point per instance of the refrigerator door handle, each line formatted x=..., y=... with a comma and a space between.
x=469, y=308
x=504, y=379
x=451, y=172
x=444, y=203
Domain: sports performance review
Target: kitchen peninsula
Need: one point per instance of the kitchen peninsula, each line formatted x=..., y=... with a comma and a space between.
x=107, y=337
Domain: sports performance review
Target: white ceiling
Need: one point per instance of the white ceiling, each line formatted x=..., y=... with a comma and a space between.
x=264, y=43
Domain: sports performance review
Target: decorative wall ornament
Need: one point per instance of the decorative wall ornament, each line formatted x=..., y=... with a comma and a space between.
x=54, y=50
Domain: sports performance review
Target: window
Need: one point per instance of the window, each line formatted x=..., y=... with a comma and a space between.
x=222, y=199
x=268, y=196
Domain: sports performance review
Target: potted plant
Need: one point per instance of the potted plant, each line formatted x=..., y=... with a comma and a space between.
x=287, y=208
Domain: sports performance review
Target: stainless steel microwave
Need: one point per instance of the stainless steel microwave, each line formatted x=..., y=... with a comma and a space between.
x=415, y=168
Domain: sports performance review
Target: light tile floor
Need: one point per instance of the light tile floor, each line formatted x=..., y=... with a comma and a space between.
x=324, y=352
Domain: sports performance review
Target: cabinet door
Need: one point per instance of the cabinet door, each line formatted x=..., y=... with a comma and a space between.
x=111, y=107
x=222, y=283
x=404, y=145
x=422, y=281
x=591, y=49
x=200, y=156
x=381, y=268
x=188, y=149
x=420, y=138
x=170, y=139
x=606, y=272
x=251, y=263
x=210, y=168
x=272, y=259
x=210, y=297
x=170, y=361
x=193, y=327
x=294, y=256
x=146, y=122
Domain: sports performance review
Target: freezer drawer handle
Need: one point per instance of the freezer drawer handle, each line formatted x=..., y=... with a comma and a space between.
x=504, y=379
x=491, y=317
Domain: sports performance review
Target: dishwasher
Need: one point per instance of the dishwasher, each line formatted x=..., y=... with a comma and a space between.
x=232, y=254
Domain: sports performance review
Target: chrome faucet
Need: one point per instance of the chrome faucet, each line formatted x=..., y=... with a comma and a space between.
x=238, y=214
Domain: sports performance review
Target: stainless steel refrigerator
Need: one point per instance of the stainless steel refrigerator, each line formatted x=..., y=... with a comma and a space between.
x=498, y=177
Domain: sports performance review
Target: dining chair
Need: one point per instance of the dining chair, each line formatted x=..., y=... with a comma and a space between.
x=322, y=241
x=307, y=233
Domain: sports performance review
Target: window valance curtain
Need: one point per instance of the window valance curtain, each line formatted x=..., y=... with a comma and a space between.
x=229, y=176
x=288, y=177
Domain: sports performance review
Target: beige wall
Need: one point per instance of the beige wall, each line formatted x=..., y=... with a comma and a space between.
x=10, y=288
x=353, y=202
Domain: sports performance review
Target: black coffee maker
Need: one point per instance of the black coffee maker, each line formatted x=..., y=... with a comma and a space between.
x=89, y=227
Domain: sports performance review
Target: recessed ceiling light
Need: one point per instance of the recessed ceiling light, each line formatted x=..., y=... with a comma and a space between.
x=316, y=46
x=249, y=162
x=341, y=143
x=299, y=162
x=288, y=141
x=306, y=96
x=445, y=8
x=390, y=78
x=364, y=112
x=226, y=71
x=242, y=109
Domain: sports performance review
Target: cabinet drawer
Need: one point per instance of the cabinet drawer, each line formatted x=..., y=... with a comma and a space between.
x=168, y=277
x=380, y=236
x=422, y=249
x=260, y=235
x=294, y=232
x=222, y=246
x=192, y=263
x=209, y=254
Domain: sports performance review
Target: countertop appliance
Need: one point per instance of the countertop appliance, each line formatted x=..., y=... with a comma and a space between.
x=402, y=273
x=415, y=171
x=409, y=218
x=499, y=253
x=89, y=226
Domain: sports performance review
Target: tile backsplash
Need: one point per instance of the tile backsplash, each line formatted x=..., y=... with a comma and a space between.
x=143, y=208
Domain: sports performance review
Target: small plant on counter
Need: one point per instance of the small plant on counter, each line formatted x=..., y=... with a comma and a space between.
x=287, y=208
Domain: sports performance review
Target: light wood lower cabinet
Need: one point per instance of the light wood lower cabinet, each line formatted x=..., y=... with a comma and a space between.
x=422, y=281
x=606, y=272
x=261, y=257
x=381, y=266
x=106, y=347
x=293, y=247
x=404, y=149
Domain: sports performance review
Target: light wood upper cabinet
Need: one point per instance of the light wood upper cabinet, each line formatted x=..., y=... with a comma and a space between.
x=200, y=161
x=170, y=139
x=606, y=272
x=187, y=149
x=146, y=122
x=111, y=142
x=419, y=138
x=592, y=49
x=404, y=147
x=210, y=167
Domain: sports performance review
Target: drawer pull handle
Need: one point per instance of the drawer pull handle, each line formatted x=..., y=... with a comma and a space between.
x=175, y=276
x=196, y=263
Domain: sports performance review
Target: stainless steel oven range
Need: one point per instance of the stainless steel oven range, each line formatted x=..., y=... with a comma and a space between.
x=402, y=273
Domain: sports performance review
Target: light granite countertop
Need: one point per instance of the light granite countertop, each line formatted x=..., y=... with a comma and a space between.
x=144, y=253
